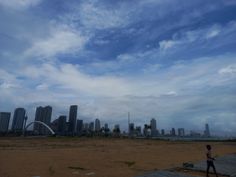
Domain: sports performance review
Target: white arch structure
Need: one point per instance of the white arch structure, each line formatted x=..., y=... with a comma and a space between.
x=42, y=123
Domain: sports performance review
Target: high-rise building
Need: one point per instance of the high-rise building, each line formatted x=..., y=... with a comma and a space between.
x=116, y=129
x=138, y=131
x=207, y=131
x=153, y=125
x=181, y=132
x=4, y=121
x=72, y=119
x=172, y=132
x=162, y=132
x=18, y=120
x=85, y=126
x=106, y=126
x=62, y=125
x=43, y=114
x=97, y=125
x=131, y=129
x=79, y=126
x=91, y=126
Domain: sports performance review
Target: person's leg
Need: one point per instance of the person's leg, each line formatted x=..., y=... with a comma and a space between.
x=207, y=171
x=213, y=166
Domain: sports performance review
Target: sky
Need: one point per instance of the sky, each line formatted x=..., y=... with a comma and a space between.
x=174, y=61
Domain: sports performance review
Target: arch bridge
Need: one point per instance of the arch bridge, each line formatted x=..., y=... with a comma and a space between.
x=42, y=123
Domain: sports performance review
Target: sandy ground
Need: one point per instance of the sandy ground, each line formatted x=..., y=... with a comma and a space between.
x=98, y=157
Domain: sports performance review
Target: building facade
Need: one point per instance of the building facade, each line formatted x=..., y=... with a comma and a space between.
x=153, y=124
x=42, y=114
x=97, y=125
x=72, y=119
x=207, y=131
x=18, y=120
x=4, y=121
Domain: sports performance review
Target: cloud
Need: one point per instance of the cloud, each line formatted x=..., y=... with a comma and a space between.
x=62, y=40
x=167, y=44
x=19, y=4
x=231, y=69
x=95, y=15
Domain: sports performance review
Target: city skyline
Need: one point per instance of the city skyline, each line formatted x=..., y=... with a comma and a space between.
x=62, y=125
x=171, y=60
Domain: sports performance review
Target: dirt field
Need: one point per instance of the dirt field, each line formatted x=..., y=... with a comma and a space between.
x=77, y=157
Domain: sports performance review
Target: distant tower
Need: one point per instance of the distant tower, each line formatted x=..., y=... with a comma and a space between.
x=106, y=126
x=162, y=132
x=43, y=114
x=97, y=125
x=79, y=127
x=181, y=132
x=172, y=132
x=153, y=125
x=128, y=123
x=91, y=126
x=72, y=119
x=62, y=125
x=4, y=121
x=18, y=120
x=131, y=129
x=207, y=131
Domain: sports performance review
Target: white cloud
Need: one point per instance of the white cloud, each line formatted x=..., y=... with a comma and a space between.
x=231, y=69
x=167, y=44
x=62, y=40
x=42, y=86
x=94, y=15
x=19, y=4
x=213, y=31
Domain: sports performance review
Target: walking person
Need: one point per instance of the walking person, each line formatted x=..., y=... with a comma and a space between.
x=210, y=160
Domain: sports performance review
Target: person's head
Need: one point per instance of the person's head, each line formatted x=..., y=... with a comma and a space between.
x=208, y=147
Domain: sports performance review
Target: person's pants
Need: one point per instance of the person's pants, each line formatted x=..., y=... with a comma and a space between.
x=210, y=164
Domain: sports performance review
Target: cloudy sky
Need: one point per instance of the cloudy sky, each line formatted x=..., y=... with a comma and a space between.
x=171, y=60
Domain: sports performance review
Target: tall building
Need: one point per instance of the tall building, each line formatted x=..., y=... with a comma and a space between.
x=131, y=129
x=85, y=127
x=97, y=125
x=181, y=132
x=4, y=121
x=162, y=132
x=18, y=120
x=91, y=126
x=106, y=126
x=72, y=119
x=79, y=126
x=153, y=125
x=207, y=131
x=172, y=132
x=62, y=125
x=44, y=115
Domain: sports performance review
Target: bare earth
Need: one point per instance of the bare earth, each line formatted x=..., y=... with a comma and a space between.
x=98, y=157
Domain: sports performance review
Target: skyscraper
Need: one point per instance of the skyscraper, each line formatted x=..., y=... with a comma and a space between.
x=131, y=129
x=43, y=114
x=181, y=132
x=72, y=119
x=91, y=126
x=153, y=125
x=62, y=125
x=172, y=132
x=18, y=120
x=97, y=125
x=4, y=121
x=79, y=127
x=207, y=131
